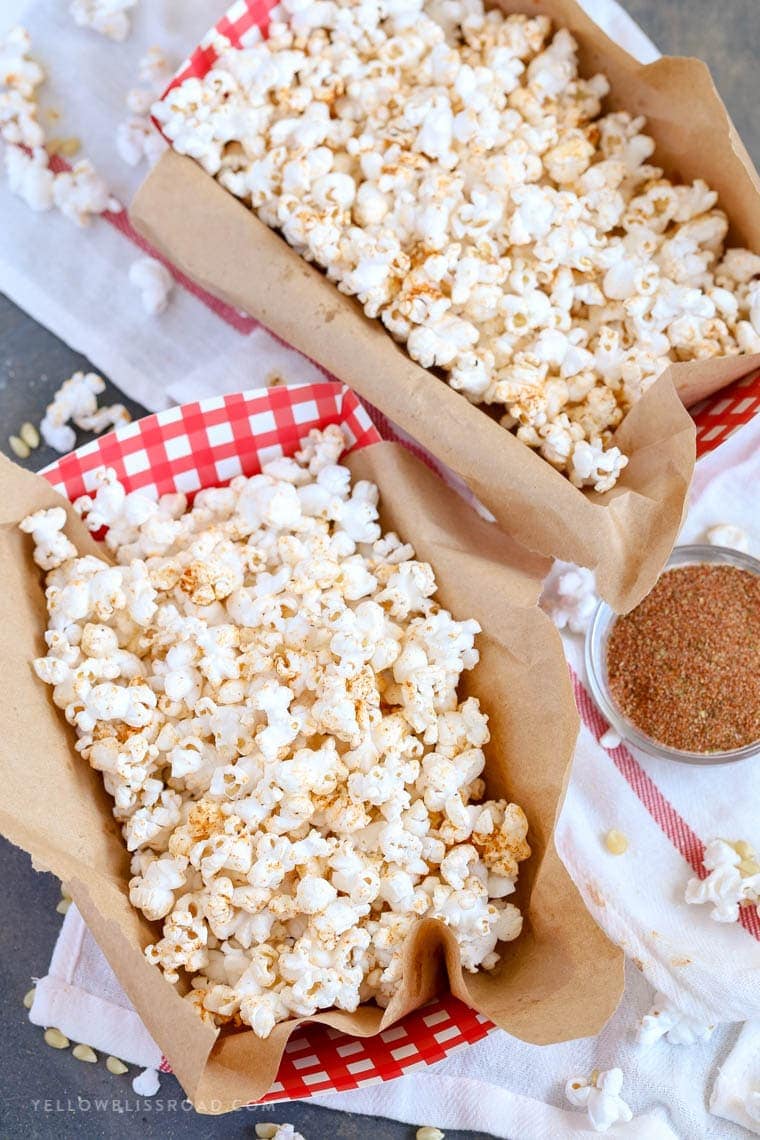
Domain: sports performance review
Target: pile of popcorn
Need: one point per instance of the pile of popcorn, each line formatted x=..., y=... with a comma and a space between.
x=270, y=691
x=79, y=193
x=449, y=168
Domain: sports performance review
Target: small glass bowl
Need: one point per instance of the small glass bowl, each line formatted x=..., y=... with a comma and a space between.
x=596, y=664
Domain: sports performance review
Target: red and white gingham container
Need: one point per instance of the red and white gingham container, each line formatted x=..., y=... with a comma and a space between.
x=247, y=20
x=205, y=445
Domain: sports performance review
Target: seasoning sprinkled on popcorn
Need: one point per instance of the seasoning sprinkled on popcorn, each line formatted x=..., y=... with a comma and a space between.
x=269, y=688
x=449, y=168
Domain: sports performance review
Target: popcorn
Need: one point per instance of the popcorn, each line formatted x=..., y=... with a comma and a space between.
x=77, y=401
x=137, y=140
x=269, y=688
x=733, y=880
x=600, y=1096
x=569, y=596
x=108, y=17
x=450, y=169
x=726, y=534
x=666, y=1020
x=154, y=281
x=79, y=193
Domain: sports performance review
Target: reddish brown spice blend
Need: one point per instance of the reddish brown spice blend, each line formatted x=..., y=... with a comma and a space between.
x=684, y=666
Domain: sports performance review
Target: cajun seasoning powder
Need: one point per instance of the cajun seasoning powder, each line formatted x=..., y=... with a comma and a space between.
x=684, y=666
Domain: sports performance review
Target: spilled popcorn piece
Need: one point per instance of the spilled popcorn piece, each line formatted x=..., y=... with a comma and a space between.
x=733, y=880
x=146, y=1083
x=664, y=1019
x=610, y=739
x=76, y=401
x=55, y=1039
x=116, y=1066
x=80, y=193
x=600, y=1096
x=85, y=1053
x=428, y=1133
x=19, y=447
x=137, y=139
x=270, y=689
x=271, y=1131
x=616, y=842
x=726, y=534
x=155, y=283
x=450, y=168
x=569, y=598
x=109, y=18
x=29, y=435
x=29, y=998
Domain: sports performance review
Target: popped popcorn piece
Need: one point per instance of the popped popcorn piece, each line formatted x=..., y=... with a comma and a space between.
x=450, y=168
x=108, y=17
x=79, y=193
x=600, y=1096
x=137, y=140
x=146, y=1083
x=569, y=597
x=77, y=401
x=268, y=686
x=154, y=281
x=733, y=880
x=664, y=1019
x=726, y=534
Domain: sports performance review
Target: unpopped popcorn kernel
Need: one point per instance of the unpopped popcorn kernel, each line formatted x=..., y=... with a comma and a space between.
x=19, y=447
x=85, y=1053
x=29, y=998
x=428, y=1133
x=115, y=1066
x=616, y=842
x=63, y=906
x=55, y=1039
x=30, y=435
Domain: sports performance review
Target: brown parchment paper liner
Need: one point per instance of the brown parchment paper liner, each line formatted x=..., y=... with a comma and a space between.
x=625, y=534
x=561, y=979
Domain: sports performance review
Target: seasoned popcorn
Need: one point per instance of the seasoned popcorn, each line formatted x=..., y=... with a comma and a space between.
x=137, y=139
x=665, y=1019
x=79, y=193
x=108, y=17
x=450, y=169
x=269, y=688
x=733, y=880
x=600, y=1096
x=76, y=401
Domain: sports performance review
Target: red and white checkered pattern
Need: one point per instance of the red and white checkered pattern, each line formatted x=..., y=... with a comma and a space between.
x=205, y=445
x=716, y=418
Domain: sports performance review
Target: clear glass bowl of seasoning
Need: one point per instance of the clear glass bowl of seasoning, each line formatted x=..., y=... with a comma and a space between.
x=680, y=675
